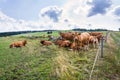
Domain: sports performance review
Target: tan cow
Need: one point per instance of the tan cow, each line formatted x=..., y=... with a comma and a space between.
x=93, y=41
x=83, y=40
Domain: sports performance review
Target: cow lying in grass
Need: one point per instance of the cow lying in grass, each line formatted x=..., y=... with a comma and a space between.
x=18, y=44
x=74, y=46
x=45, y=42
x=62, y=43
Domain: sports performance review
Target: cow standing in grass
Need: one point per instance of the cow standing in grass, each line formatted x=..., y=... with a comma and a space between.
x=82, y=40
x=67, y=35
x=98, y=35
x=93, y=41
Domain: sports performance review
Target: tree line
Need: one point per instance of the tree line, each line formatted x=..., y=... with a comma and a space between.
x=79, y=29
x=4, y=34
x=48, y=31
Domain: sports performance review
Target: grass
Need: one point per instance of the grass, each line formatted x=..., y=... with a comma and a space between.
x=24, y=62
x=37, y=62
x=116, y=38
x=108, y=66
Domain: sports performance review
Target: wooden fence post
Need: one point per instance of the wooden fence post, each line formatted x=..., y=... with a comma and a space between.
x=102, y=41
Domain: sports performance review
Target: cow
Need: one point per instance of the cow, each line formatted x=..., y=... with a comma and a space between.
x=95, y=33
x=45, y=42
x=62, y=43
x=98, y=35
x=67, y=35
x=93, y=41
x=74, y=46
x=82, y=40
x=18, y=44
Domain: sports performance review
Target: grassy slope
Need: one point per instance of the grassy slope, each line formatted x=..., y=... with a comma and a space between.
x=35, y=62
x=21, y=63
x=110, y=64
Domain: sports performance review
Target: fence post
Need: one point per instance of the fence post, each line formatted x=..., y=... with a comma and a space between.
x=102, y=41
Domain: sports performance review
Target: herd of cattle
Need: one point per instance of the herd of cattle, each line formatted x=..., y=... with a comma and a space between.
x=71, y=40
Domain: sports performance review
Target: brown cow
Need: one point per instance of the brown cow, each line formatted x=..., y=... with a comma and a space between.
x=95, y=33
x=93, y=41
x=46, y=43
x=62, y=43
x=99, y=35
x=82, y=40
x=18, y=44
x=74, y=46
x=68, y=35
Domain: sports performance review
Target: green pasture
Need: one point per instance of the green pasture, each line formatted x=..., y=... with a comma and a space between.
x=37, y=62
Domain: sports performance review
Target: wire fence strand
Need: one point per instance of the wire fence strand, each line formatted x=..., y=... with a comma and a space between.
x=97, y=54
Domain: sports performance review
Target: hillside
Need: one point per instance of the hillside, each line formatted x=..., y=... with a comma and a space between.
x=37, y=62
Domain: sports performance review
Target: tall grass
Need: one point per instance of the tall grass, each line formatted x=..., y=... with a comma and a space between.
x=108, y=66
x=116, y=38
x=70, y=65
x=63, y=69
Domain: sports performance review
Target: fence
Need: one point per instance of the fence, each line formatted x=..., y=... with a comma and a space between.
x=101, y=51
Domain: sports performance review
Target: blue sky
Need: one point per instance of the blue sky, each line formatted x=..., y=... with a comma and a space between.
x=19, y=15
x=26, y=9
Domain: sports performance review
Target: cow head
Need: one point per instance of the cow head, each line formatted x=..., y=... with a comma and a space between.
x=11, y=46
x=42, y=41
x=24, y=42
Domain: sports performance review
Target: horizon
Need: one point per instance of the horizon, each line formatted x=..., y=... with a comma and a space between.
x=33, y=15
x=59, y=30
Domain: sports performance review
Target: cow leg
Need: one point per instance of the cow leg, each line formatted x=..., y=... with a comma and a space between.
x=97, y=44
x=85, y=47
x=93, y=45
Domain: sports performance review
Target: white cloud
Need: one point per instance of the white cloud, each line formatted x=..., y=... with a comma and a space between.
x=53, y=12
x=77, y=10
x=10, y=24
x=99, y=7
x=116, y=11
x=72, y=15
x=4, y=17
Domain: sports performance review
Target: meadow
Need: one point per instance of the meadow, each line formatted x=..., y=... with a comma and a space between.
x=37, y=62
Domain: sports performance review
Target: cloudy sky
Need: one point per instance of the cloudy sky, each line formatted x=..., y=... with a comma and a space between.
x=20, y=15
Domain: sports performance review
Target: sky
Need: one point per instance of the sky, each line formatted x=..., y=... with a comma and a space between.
x=22, y=15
